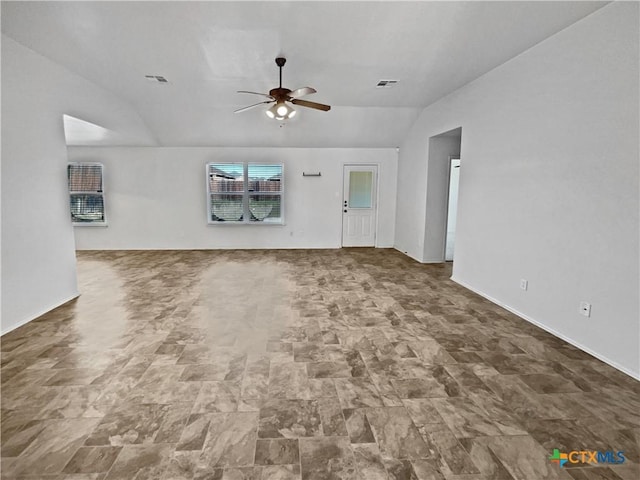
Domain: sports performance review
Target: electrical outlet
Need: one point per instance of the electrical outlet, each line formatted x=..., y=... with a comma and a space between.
x=524, y=284
x=585, y=309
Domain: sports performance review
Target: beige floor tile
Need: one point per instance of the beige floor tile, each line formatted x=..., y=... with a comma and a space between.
x=298, y=365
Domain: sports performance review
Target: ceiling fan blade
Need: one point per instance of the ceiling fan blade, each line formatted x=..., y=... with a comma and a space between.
x=251, y=106
x=305, y=103
x=301, y=92
x=256, y=93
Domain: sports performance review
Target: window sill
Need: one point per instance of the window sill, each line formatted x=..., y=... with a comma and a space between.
x=247, y=224
x=96, y=224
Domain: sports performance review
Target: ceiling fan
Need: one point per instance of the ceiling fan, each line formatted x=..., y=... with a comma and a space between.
x=280, y=96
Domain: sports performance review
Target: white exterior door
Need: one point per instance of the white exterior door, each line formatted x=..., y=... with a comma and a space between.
x=359, y=206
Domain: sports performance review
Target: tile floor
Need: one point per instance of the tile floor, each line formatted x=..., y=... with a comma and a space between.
x=289, y=365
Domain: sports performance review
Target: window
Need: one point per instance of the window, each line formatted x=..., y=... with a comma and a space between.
x=86, y=196
x=244, y=193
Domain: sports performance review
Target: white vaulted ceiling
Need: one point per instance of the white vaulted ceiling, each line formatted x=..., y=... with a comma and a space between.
x=208, y=50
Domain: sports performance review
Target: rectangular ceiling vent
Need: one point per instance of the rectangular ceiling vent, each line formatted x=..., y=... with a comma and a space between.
x=156, y=78
x=386, y=83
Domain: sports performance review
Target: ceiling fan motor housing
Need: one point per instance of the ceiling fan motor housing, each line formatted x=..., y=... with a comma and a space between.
x=280, y=94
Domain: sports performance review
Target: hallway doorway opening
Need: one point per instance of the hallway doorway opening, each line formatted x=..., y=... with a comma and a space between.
x=442, y=196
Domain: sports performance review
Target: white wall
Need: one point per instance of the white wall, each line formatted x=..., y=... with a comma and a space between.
x=38, y=259
x=156, y=198
x=549, y=189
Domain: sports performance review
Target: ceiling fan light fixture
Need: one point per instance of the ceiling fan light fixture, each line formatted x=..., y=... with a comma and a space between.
x=280, y=111
x=283, y=110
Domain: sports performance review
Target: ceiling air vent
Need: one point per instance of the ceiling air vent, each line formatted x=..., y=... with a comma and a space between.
x=156, y=78
x=386, y=83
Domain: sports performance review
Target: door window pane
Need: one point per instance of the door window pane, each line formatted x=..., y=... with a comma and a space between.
x=360, y=185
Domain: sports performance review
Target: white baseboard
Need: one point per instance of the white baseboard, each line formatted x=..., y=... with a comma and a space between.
x=608, y=361
x=425, y=261
x=39, y=314
x=407, y=254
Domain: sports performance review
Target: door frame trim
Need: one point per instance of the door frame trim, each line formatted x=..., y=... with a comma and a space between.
x=446, y=211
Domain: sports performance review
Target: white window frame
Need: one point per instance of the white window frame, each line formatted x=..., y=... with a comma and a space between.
x=102, y=223
x=246, y=216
